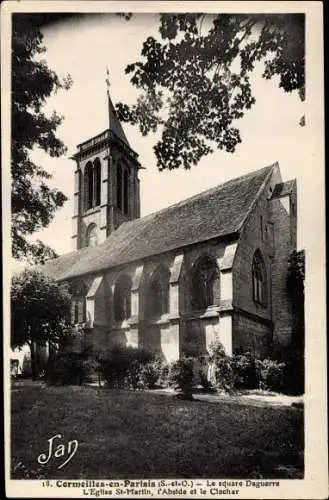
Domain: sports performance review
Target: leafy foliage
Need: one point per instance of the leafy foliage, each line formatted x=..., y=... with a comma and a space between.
x=121, y=366
x=150, y=373
x=271, y=375
x=181, y=375
x=195, y=81
x=33, y=201
x=69, y=368
x=221, y=372
x=295, y=286
x=40, y=308
x=245, y=371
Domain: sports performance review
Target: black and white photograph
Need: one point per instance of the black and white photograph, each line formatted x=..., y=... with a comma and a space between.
x=164, y=241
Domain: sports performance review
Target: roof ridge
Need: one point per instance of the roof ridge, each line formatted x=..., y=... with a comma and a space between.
x=270, y=168
x=210, y=190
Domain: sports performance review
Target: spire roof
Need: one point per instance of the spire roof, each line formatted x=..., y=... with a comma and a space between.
x=114, y=122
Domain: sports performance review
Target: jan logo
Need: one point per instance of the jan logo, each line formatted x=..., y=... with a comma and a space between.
x=58, y=451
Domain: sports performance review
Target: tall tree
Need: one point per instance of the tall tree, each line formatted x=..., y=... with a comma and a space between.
x=40, y=309
x=295, y=286
x=33, y=202
x=195, y=80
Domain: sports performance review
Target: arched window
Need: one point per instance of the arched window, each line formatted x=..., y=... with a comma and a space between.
x=97, y=182
x=88, y=186
x=259, y=286
x=125, y=191
x=122, y=298
x=205, y=283
x=78, y=292
x=91, y=236
x=119, y=187
x=158, y=292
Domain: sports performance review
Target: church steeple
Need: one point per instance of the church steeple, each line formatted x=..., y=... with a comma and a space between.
x=114, y=122
x=106, y=190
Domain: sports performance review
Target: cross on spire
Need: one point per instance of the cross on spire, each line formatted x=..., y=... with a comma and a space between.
x=107, y=80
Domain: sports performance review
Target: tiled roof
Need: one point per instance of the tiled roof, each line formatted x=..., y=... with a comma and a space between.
x=215, y=213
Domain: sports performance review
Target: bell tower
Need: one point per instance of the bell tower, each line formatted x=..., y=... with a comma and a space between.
x=106, y=186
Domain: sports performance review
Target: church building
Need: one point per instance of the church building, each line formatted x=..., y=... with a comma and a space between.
x=213, y=266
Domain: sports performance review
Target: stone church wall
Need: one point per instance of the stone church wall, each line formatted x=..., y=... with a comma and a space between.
x=251, y=335
x=271, y=229
x=253, y=237
x=284, y=215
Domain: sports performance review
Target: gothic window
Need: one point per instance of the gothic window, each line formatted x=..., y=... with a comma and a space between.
x=259, y=279
x=78, y=304
x=158, y=292
x=205, y=283
x=91, y=236
x=122, y=298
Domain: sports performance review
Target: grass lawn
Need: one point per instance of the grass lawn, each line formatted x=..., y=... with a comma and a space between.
x=144, y=435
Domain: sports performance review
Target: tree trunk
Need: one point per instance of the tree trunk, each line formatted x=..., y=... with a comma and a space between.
x=34, y=362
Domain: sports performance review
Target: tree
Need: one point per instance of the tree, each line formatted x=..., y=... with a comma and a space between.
x=295, y=286
x=294, y=354
x=40, y=309
x=33, y=201
x=195, y=81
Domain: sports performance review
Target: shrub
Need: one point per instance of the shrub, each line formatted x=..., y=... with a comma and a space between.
x=68, y=368
x=181, y=375
x=121, y=365
x=150, y=374
x=221, y=367
x=203, y=372
x=245, y=371
x=271, y=375
x=132, y=380
x=164, y=375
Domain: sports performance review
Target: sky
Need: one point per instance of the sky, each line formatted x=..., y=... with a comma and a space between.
x=84, y=48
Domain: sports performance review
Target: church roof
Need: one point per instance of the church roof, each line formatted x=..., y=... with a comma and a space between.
x=215, y=213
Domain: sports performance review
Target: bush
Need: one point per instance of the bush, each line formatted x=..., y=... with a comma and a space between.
x=221, y=367
x=271, y=375
x=245, y=371
x=67, y=369
x=164, y=375
x=150, y=374
x=122, y=365
x=181, y=375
